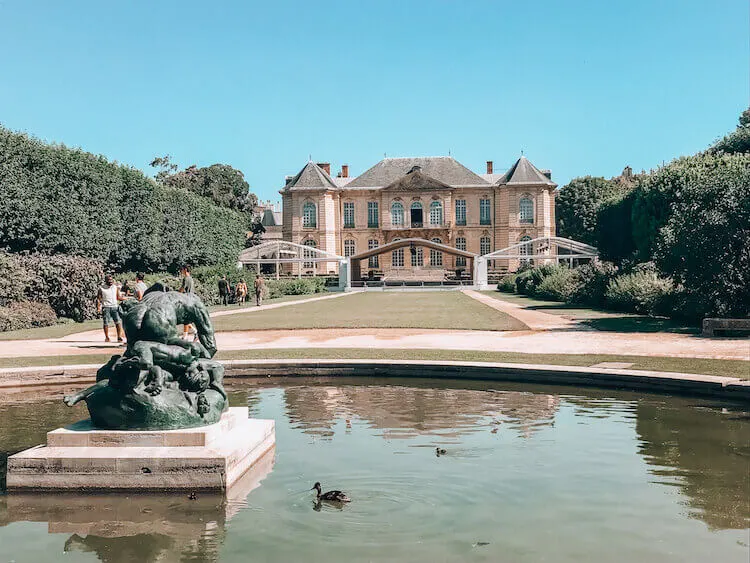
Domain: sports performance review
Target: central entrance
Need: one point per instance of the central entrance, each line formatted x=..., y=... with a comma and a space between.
x=417, y=219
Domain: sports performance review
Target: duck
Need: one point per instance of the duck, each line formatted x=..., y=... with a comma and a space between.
x=192, y=496
x=334, y=496
x=440, y=451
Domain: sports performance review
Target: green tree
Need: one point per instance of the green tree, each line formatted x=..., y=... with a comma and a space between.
x=577, y=204
x=257, y=230
x=614, y=229
x=705, y=243
x=737, y=141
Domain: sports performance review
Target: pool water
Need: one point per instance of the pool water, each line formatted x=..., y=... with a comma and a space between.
x=530, y=473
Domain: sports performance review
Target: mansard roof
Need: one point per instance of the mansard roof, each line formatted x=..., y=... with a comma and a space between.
x=415, y=180
x=311, y=176
x=443, y=169
x=524, y=173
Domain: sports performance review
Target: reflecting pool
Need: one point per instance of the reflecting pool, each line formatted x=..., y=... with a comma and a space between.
x=530, y=473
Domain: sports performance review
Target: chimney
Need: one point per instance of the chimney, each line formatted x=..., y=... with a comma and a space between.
x=489, y=167
x=344, y=170
x=325, y=166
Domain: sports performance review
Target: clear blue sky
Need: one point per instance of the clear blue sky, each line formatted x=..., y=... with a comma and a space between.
x=582, y=87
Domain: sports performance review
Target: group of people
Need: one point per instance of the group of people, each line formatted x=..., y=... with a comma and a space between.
x=110, y=295
x=239, y=292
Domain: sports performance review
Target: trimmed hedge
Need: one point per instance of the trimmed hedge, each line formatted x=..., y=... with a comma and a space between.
x=54, y=199
x=25, y=314
x=299, y=286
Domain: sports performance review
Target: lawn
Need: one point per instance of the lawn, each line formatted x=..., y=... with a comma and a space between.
x=728, y=368
x=599, y=319
x=417, y=309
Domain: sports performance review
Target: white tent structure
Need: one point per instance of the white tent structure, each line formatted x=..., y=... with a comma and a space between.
x=302, y=258
x=541, y=250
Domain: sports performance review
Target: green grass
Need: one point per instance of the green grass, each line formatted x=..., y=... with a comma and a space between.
x=599, y=319
x=417, y=309
x=728, y=368
x=70, y=327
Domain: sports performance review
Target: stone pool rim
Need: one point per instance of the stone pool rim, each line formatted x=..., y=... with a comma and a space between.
x=729, y=388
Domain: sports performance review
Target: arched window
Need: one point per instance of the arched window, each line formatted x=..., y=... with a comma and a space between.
x=460, y=245
x=416, y=214
x=349, y=247
x=526, y=210
x=436, y=213
x=436, y=257
x=309, y=253
x=309, y=215
x=397, y=256
x=525, y=249
x=397, y=213
x=484, y=245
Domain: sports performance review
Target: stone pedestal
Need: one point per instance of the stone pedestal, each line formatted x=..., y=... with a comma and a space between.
x=80, y=458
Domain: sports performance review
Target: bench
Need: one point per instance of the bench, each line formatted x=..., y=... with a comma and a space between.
x=710, y=326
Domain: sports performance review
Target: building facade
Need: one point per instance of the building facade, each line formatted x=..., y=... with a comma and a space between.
x=434, y=198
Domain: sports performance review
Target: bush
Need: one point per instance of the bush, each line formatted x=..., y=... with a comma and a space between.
x=13, y=279
x=25, y=314
x=593, y=280
x=68, y=284
x=641, y=292
x=522, y=281
x=507, y=284
x=559, y=285
x=55, y=199
x=299, y=286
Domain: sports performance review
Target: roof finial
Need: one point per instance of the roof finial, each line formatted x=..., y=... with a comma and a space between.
x=521, y=152
x=309, y=158
x=449, y=152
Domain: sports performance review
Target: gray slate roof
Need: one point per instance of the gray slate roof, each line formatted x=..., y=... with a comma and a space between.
x=524, y=173
x=271, y=218
x=442, y=168
x=311, y=176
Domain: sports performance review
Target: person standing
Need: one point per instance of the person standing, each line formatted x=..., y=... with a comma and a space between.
x=107, y=302
x=259, y=284
x=188, y=286
x=140, y=286
x=224, y=290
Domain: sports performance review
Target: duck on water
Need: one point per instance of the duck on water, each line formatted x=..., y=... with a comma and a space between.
x=331, y=496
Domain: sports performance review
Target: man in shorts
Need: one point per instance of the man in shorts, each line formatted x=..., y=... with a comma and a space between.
x=107, y=302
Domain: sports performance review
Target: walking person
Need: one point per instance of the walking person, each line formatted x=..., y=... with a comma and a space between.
x=107, y=302
x=224, y=290
x=259, y=284
x=188, y=286
x=241, y=291
x=140, y=286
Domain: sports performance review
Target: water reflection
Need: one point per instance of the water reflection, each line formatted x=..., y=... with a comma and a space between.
x=705, y=450
x=153, y=527
x=405, y=412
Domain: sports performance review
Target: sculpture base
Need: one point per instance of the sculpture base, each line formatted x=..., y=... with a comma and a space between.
x=79, y=458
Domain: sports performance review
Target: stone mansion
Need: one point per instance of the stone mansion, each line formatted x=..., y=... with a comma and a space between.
x=434, y=198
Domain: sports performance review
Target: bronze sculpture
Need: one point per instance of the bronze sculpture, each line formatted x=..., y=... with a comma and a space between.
x=161, y=382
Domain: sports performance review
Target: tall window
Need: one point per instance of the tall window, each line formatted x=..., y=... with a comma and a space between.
x=484, y=212
x=460, y=245
x=417, y=256
x=436, y=257
x=349, y=247
x=525, y=249
x=397, y=213
x=460, y=212
x=526, y=210
x=372, y=262
x=397, y=257
x=436, y=213
x=309, y=253
x=416, y=214
x=309, y=215
x=349, y=214
x=373, y=220
x=484, y=245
